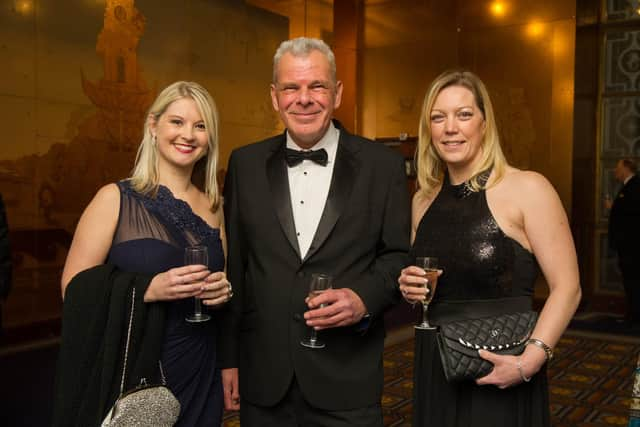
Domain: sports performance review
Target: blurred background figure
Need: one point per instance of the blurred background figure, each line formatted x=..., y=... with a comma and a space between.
x=634, y=414
x=624, y=235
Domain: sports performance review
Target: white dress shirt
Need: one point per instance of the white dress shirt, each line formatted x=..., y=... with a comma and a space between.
x=309, y=185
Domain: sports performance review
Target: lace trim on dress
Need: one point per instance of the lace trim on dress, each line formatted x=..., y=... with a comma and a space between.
x=174, y=210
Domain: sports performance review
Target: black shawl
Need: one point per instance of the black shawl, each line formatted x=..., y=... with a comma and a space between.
x=95, y=319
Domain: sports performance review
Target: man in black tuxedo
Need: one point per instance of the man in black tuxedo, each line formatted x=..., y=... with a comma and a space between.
x=624, y=234
x=315, y=199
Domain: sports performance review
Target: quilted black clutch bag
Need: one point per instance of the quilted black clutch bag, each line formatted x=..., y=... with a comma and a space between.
x=460, y=341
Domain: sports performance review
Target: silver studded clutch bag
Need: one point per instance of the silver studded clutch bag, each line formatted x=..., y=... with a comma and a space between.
x=145, y=405
x=460, y=341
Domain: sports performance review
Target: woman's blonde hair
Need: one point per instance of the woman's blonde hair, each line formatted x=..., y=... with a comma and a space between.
x=144, y=177
x=430, y=168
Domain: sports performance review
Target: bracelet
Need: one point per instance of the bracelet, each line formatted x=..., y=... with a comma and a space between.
x=539, y=343
x=519, y=365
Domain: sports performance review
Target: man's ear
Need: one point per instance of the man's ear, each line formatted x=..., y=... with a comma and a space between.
x=338, y=99
x=274, y=97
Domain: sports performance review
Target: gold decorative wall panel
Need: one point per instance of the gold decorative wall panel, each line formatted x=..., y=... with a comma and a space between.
x=525, y=55
x=77, y=79
x=406, y=45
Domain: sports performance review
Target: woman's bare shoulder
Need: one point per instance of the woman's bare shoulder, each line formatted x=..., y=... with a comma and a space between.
x=515, y=179
x=528, y=189
x=106, y=199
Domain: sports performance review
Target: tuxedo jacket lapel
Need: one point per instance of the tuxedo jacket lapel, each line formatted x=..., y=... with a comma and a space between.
x=279, y=183
x=344, y=173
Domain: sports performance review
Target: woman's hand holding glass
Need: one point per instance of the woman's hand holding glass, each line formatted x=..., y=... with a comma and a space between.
x=413, y=284
x=428, y=280
x=177, y=283
x=217, y=289
x=190, y=281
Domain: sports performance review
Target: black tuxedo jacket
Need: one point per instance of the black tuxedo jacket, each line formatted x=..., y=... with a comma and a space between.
x=362, y=240
x=624, y=219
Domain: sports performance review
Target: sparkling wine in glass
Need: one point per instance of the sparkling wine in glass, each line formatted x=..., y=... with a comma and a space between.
x=197, y=255
x=430, y=267
x=319, y=283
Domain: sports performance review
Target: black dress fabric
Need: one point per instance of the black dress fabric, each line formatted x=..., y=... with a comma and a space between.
x=151, y=236
x=479, y=262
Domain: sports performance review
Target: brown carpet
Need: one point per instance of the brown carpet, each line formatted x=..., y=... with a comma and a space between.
x=590, y=381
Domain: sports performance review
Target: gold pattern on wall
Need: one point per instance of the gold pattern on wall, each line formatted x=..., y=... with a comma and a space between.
x=73, y=99
x=121, y=95
x=66, y=176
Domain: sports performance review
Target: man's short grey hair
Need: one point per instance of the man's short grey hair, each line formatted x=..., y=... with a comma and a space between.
x=303, y=46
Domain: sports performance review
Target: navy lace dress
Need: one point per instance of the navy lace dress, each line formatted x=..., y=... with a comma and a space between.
x=480, y=264
x=150, y=238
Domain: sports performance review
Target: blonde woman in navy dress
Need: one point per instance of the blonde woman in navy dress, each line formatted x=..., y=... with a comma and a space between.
x=492, y=227
x=142, y=225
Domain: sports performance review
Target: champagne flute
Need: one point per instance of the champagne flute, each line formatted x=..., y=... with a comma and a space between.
x=430, y=267
x=319, y=283
x=197, y=255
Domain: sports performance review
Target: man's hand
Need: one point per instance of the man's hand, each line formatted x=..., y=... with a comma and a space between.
x=231, y=389
x=334, y=308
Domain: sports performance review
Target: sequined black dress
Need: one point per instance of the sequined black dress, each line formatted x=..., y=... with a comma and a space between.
x=480, y=263
x=150, y=238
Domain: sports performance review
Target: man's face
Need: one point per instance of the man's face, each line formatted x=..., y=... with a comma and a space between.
x=305, y=96
x=620, y=172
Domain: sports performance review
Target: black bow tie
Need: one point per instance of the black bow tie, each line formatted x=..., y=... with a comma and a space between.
x=295, y=157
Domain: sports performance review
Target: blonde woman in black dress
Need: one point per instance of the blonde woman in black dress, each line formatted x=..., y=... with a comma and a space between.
x=492, y=227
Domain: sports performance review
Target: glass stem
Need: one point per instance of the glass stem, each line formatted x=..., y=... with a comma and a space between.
x=425, y=309
x=314, y=335
x=198, y=307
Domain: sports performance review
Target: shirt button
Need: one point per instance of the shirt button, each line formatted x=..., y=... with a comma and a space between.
x=297, y=317
x=298, y=233
x=300, y=274
x=305, y=173
x=302, y=202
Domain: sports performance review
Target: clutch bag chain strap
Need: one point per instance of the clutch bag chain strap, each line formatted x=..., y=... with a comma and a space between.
x=126, y=350
x=126, y=347
x=145, y=405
